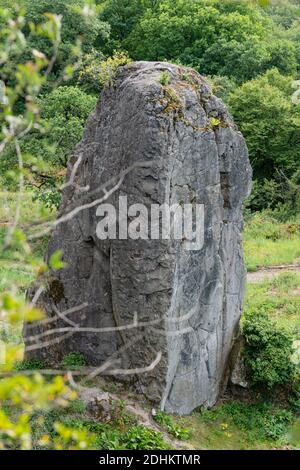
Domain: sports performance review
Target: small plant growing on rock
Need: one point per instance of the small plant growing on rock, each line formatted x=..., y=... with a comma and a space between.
x=102, y=73
x=164, y=78
x=73, y=359
x=30, y=364
x=214, y=122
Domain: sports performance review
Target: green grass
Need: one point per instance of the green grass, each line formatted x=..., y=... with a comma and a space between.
x=268, y=242
x=279, y=298
x=118, y=434
x=13, y=272
x=240, y=425
x=30, y=210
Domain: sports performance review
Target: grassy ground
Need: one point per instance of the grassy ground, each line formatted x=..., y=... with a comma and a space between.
x=12, y=272
x=270, y=243
x=279, y=298
x=236, y=424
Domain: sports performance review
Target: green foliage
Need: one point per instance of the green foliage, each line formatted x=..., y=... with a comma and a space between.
x=167, y=422
x=270, y=242
x=238, y=41
x=30, y=364
x=26, y=395
x=50, y=196
x=25, y=71
x=97, y=74
x=225, y=38
x=67, y=102
x=270, y=122
x=109, y=437
x=64, y=112
x=87, y=76
x=221, y=86
x=268, y=351
x=164, y=78
x=139, y=437
x=73, y=359
x=259, y=421
x=77, y=406
x=77, y=30
x=280, y=196
x=279, y=299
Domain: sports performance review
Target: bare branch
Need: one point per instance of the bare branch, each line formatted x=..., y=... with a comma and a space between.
x=45, y=344
x=13, y=227
x=57, y=317
x=107, y=193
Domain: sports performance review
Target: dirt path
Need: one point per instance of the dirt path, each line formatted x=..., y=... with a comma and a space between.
x=269, y=272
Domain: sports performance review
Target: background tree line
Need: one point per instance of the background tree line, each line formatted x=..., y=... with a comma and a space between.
x=52, y=69
x=249, y=50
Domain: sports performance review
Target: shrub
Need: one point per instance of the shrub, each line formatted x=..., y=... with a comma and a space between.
x=109, y=437
x=99, y=73
x=30, y=364
x=268, y=351
x=73, y=359
x=280, y=196
x=139, y=437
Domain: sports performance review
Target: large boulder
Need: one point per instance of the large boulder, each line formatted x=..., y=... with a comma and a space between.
x=160, y=127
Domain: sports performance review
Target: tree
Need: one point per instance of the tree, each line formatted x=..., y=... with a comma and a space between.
x=122, y=16
x=78, y=33
x=270, y=122
x=63, y=113
x=224, y=38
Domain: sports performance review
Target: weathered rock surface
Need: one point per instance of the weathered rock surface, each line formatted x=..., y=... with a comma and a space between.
x=194, y=154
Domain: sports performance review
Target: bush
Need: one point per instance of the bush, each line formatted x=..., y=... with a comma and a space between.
x=280, y=196
x=139, y=437
x=268, y=352
x=73, y=359
x=109, y=437
x=30, y=364
x=98, y=73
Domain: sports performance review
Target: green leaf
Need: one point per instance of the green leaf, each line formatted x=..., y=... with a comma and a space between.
x=55, y=261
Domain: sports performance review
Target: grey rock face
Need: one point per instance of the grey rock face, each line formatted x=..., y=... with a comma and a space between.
x=189, y=301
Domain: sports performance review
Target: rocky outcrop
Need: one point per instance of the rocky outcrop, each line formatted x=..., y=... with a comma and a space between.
x=181, y=146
